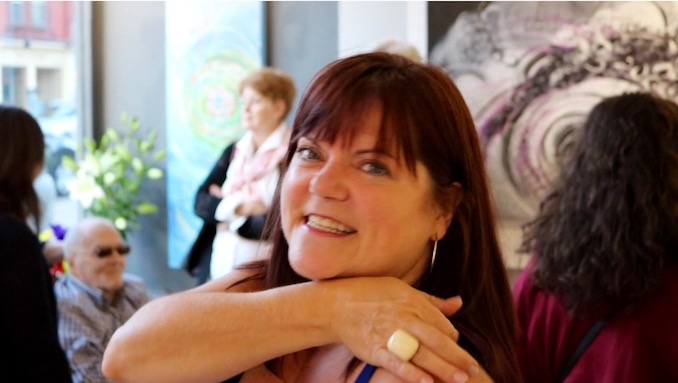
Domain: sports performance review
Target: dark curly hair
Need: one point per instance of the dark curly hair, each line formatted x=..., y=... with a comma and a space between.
x=605, y=234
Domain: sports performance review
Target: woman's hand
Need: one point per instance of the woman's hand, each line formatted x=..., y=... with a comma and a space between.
x=251, y=207
x=366, y=312
x=215, y=191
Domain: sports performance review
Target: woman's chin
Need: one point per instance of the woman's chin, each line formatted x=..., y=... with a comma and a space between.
x=312, y=272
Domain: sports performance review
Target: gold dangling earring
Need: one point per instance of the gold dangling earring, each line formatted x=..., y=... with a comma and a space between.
x=433, y=257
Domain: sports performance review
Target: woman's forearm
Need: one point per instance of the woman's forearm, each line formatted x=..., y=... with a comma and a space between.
x=210, y=336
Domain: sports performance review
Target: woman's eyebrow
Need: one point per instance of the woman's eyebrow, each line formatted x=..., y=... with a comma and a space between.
x=378, y=151
x=308, y=138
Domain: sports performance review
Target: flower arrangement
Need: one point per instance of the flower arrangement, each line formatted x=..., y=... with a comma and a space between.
x=109, y=174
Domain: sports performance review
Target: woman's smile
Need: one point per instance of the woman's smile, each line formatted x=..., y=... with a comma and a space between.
x=350, y=208
x=328, y=225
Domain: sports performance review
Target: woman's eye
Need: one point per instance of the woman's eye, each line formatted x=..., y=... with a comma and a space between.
x=376, y=168
x=307, y=153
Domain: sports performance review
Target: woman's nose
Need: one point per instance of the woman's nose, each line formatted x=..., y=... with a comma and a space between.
x=330, y=182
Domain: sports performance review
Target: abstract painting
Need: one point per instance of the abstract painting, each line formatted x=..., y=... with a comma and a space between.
x=530, y=73
x=210, y=47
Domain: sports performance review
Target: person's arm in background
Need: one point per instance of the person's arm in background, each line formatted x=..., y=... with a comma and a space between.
x=253, y=228
x=206, y=203
x=53, y=249
x=28, y=321
x=207, y=334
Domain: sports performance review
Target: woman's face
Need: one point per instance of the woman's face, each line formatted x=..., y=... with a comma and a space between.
x=351, y=210
x=259, y=113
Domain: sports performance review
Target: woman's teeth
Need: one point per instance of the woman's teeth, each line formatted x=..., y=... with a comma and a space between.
x=327, y=224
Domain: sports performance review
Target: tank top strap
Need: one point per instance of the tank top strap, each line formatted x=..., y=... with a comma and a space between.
x=366, y=374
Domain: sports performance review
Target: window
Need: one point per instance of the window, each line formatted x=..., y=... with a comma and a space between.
x=44, y=71
x=16, y=13
x=39, y=14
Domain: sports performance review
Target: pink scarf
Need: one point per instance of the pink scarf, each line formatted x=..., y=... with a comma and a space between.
x=248, y=169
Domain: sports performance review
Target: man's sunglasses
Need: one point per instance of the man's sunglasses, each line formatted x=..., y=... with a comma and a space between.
x=103, y=252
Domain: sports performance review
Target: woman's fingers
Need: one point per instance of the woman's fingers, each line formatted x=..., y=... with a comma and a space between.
x=447, y=307
x=440, y=355
x=449, y=367
x=404, y=370
x=364, y=324
x=425, y=365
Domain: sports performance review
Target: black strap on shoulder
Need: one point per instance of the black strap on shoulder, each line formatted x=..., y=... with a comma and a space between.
x=581, y=347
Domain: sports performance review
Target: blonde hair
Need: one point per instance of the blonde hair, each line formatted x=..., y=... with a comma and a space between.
x=273, y=84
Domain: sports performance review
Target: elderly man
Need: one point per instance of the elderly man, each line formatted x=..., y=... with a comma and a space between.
x=94, y=298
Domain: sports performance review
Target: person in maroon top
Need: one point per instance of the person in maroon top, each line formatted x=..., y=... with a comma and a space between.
x=604, y=251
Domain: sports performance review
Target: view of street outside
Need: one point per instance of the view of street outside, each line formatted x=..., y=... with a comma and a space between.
x=38, y=73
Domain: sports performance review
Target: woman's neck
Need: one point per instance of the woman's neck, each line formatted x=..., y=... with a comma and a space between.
x=259, y=136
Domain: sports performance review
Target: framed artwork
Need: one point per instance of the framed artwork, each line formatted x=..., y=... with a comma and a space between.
x=530, y=73
x=210, y=47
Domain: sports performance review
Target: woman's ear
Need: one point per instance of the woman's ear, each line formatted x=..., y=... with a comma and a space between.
x=448, y=207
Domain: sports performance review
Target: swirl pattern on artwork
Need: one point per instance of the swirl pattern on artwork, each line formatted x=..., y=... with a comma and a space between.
x=532, y=72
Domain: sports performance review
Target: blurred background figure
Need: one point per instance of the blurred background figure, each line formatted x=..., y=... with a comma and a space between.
x=95, y=297
x=400, y=48
x=28, y=320
x=46, y=190
x=235, y=197
x=604, y=249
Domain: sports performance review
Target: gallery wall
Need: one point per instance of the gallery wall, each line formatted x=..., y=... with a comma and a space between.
x=129, y=75
x=479, y=44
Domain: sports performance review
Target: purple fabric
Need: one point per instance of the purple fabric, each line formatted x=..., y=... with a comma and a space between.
x=636, y=345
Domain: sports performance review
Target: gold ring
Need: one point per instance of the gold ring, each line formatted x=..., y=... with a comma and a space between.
x=402, y=344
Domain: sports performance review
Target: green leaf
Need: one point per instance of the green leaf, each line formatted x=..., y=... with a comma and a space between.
x=145, y=146
x=146, y=208
x=90, y=145
x=137, y=165
x=160, y=154
x=112, y=135
x=123, y=153
x=134, y=124
x=154, y=173
x=69, y=162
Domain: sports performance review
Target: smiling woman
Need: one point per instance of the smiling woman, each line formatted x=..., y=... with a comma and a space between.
x=382, y=225
x=345, y=202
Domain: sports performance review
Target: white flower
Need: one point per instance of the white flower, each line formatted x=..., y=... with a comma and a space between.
x=109, y=178
x=120, y=223
x=90, y=165
x=107, y=160
x=84, y=189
